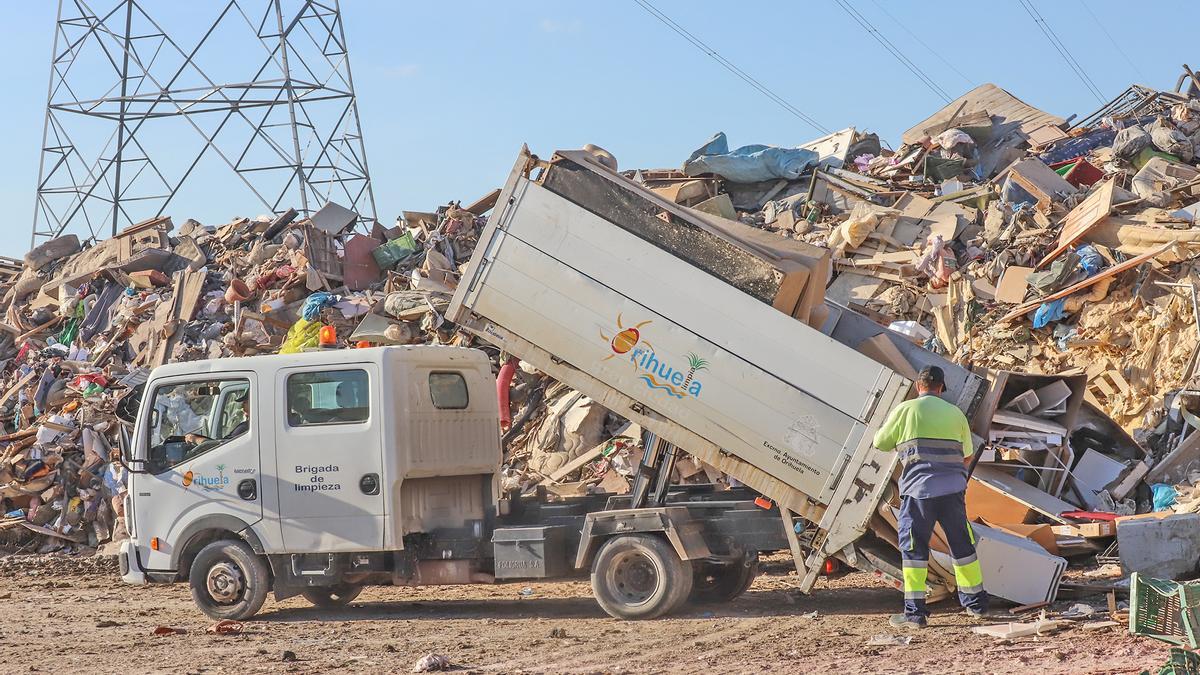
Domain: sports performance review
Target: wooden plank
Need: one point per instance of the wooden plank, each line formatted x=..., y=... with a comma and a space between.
x=1028, y=495
x=882, y=349
x=574, y=464
x=1040, y=181
x=1087, y=215
x=1087, y=283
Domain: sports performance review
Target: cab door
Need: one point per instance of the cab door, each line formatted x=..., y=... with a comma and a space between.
x=215, y=473
x=329, y=458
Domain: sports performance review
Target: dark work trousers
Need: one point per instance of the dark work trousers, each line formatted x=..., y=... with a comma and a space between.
x=917, y=518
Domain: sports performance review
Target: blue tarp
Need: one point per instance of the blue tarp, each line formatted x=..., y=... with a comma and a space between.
x=749, y=163
x=1048, y=312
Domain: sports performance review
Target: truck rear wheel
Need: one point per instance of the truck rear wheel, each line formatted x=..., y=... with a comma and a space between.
x=338, y=595
x=228, y=580
x=639, y=576
x=721, y=583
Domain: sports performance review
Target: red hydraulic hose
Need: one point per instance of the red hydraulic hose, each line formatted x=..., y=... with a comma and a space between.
x=503, y=382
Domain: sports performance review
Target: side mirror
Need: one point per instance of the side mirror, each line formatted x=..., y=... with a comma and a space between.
x=125, y=451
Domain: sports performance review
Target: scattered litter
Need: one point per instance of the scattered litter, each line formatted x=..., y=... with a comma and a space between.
x=431, y=663
x=225, y=627
x=886, y=640
x=163, y=631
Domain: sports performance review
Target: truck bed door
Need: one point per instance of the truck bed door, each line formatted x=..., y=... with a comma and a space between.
x=329, y=459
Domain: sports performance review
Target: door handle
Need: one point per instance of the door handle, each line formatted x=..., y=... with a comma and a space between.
x=248, y=489
x=369, y=484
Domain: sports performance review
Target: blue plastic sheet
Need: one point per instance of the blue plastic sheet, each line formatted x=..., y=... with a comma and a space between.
x=1048, y=312
x=1164, y=496
x=316, y=302
x=749, y=163
x=1090, y=260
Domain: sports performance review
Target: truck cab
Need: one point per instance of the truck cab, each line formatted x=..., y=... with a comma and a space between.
x=314, y=462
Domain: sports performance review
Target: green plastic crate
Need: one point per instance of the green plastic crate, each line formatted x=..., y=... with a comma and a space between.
x=1164, y=610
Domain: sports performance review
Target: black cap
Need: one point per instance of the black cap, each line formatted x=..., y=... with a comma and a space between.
x=931, y=377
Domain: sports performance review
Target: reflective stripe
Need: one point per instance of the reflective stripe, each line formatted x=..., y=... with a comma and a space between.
x=963, y=562
x=951, y=457
x=914, y=580
x=915, y=563
x=970, y=532
x=970, y=590
x=914, y=595
x=931, y=444
x=968, y=576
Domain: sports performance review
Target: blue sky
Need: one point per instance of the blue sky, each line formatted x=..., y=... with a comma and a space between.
x=448, y=91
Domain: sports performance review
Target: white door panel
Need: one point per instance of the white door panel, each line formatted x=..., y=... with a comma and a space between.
x=203, y=478
x=327, y=441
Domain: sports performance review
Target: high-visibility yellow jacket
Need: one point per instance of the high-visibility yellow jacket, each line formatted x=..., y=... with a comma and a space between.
x=932, y=437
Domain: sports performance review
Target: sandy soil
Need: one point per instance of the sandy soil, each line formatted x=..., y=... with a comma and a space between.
x=73, y=615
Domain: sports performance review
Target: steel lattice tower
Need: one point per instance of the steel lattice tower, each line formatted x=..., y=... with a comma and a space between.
x=263, y=97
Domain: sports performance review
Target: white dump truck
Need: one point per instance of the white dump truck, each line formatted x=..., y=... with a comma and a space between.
x=321, y=472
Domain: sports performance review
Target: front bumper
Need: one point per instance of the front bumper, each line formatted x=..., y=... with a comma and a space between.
x=131, y=568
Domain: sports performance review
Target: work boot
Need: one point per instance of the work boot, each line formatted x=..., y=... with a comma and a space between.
x=985, y=615
x=906, y=621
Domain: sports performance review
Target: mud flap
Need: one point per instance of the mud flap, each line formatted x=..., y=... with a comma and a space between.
x=673, y=521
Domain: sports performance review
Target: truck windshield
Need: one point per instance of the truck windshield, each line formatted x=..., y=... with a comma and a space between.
x=193, y=417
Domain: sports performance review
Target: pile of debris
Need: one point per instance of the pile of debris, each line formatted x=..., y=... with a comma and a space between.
x=1056, y=258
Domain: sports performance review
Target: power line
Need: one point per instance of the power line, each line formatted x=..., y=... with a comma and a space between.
x=921, y=42
x=1062, y=49
x=728, y=65
x=891, y=48
x=1113, y=40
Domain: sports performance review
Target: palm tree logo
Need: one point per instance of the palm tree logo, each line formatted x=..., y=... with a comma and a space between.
x=694, y=363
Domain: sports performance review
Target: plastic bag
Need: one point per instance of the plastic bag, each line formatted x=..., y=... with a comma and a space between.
x=1164, y=496
x=863, y=220
x=313, y=304
x=1129, y=142
x=302, y=335
x=1048, y=312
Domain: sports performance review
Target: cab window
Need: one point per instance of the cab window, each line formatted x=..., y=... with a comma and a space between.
x=191, y=418
x=328, y=397
x=448, y=391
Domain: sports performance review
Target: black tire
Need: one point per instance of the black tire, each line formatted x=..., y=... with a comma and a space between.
x=715, y=582
x=228, y=580
x=338, y=595
x=639, y=576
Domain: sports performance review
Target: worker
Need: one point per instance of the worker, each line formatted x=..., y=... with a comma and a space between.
x=934, y=442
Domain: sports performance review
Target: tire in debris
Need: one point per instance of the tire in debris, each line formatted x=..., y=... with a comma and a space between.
x=228, y=580
x=715, y=582
x=338, y=595
x=639, y=576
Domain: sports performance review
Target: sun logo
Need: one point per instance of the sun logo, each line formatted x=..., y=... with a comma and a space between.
x=625, y=339
x=187, y=479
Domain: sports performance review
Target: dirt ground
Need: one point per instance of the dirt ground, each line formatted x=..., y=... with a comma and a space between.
x=75, y=615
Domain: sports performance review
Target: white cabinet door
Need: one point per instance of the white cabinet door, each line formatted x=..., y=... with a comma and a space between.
x=329, y=458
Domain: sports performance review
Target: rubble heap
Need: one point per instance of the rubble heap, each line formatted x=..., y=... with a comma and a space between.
x=1057, y=258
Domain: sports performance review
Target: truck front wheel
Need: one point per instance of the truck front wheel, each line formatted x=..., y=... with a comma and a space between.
x=338, y=595
x=228, y=580
x=639, y=576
